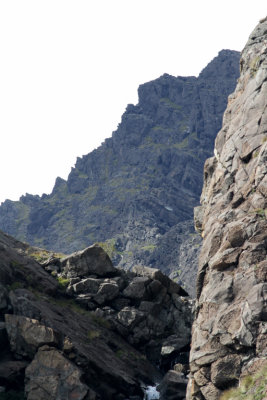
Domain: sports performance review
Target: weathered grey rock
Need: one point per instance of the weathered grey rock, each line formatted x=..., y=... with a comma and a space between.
x=89, y=285
x=51, y=375
x=226, y=371
x=27, y=335
x=156, y=274
x=173, y=386
x=210, y=392
x=173, y=343
x=228, y=333
x=130, y=316
x=23, y=303
x=137, y=288
x=202, y=376
x=107, y=292
x=92, y=260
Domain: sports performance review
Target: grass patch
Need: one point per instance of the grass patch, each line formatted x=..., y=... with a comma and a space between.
x=71, y=304
x=100, y=321
x=149, y=247
x=63, y=282
x=252, y=387
x=92, y=334
x=109, y=247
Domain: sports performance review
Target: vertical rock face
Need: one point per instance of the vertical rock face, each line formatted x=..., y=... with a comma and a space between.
x=229, y=333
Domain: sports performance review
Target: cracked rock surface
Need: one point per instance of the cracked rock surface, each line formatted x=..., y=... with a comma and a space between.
x=228, y=333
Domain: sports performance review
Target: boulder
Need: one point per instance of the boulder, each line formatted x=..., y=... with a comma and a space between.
x=52, y=376
x=130, y=317
x=137, y=288
x=225, y=371
x=173, y=386
x=107, y=292
x=91, y=261
x=27, y=335
x=210, y=392
x=88, y=285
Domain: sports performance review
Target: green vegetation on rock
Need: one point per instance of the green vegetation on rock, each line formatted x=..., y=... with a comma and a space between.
x=252, y=387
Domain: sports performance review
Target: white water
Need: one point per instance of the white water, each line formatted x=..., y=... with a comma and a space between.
x=151, y=393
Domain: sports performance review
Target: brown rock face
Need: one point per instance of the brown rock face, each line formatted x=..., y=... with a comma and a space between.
x=51, y=375
x=229, y=333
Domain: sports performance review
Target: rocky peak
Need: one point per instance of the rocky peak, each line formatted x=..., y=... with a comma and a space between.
x=136, y=192
x=229, y=333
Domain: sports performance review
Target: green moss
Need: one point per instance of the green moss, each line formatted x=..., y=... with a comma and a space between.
x=63, y=282
x=41, y=255
x=109, y=246
x=254, y=65
x=100, y=321
x=149, y=247
x=16, y=285
x=171, y=104
x=252, y=387
x=69, y=303
x=14, y=264
x=181, y=145
x=261, y=212
x=93, y=334
x=121, y=353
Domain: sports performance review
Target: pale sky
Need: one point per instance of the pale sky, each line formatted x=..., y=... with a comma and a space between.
x=68, y=70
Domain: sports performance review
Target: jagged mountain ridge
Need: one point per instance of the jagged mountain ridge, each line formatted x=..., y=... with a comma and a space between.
x=138, y=189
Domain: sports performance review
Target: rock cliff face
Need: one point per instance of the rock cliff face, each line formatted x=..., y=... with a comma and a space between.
x=136, y=192
x=229, y=333
x=78, y=328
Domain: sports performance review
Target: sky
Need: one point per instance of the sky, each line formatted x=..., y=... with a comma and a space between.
x=68, y=69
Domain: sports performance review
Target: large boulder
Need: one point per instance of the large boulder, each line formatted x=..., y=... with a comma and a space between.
x=91, y=261
x=27, y=335
x=52, y=376
x=173, y=386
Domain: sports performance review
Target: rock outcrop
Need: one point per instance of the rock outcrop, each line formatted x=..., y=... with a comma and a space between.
x=229, y=333
x=78, y=328
x=136, y=192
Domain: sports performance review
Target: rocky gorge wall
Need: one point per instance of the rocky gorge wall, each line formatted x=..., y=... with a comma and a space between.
x=229, y=337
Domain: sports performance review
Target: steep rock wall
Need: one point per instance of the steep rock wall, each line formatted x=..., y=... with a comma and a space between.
x=229, y=332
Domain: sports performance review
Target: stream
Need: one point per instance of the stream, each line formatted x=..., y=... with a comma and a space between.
x=151, y=393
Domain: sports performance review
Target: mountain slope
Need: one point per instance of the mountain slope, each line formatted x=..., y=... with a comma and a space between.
x=138, y=189
x=75, y=327
x=229, y=333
